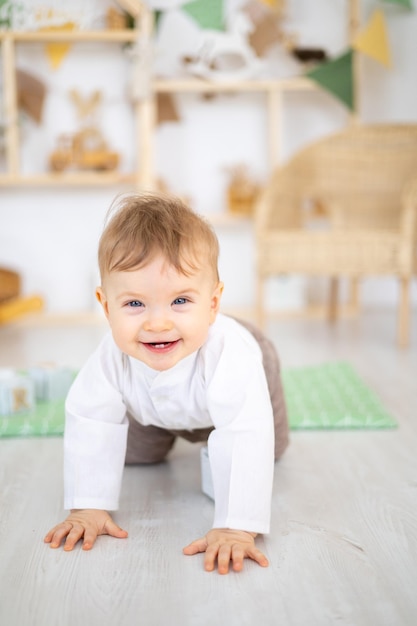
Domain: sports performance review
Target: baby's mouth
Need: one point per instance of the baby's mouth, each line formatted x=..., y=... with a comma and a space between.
x=161, y=346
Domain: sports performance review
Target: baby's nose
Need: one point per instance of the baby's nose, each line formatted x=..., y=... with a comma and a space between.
x=158, y=323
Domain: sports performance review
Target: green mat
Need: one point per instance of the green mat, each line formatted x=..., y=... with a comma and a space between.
x=46, y=418
x=329, y=396
x=332, y=396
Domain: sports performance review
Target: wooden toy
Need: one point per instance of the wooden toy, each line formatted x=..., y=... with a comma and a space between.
x=20, y=391
x=225, y=55
x=15, y=307
x=86, y=105
x=85, y=150
x=242, y=191
x=133, y=7
x=51, y=382
x=116, y=19
x=12, y=303
x=9, y=284
x=17, y=392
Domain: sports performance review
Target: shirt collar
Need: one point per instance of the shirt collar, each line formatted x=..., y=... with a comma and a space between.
x=180, y=370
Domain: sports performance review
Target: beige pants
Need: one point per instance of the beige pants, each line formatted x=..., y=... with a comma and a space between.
x=151, y=444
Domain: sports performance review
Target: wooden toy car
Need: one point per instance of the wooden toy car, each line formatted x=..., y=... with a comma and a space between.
x=85, y=150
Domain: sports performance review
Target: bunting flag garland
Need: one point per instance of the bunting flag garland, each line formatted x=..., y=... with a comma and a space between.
x=56, y=52
x=407, y=4
x=336, y=76
x=31, y=94
x=273, y=4
x=166, y=109
x=157, y=15
x=265, y=33
x=207, y=14
x=373, y=39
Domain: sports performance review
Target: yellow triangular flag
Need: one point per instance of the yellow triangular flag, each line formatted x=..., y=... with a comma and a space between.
x=56, y=52
x=373, y=39
x=273, y=4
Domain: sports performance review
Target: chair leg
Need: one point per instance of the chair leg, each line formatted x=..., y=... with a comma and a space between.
x=354, y=295
x=260, y=301
x=404, y=313
x=332, y=312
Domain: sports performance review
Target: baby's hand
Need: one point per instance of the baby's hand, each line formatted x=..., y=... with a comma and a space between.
x=227, y=545
x=87, y=523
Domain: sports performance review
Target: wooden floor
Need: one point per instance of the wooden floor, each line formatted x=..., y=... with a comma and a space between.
x=343, y=547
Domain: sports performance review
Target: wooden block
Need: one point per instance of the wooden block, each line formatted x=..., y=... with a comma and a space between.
x=51, y=382
x=17, y=392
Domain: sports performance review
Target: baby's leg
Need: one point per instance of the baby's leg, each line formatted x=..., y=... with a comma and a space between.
x=276, y=392
x=147, y=444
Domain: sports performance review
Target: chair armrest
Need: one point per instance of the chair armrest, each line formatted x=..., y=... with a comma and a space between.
x=408, y=219
x=408, y=226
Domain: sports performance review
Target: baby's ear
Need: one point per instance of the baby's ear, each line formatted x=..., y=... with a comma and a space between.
x=215, y=300
x=101, y=297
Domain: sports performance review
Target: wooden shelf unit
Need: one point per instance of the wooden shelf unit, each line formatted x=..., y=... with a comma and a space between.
x=72, y=36
x=144, y=109
x=12, y=175
x=273, y=89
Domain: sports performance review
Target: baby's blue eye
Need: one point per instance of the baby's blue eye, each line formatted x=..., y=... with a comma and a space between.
x=180, y=301
x=134, y=303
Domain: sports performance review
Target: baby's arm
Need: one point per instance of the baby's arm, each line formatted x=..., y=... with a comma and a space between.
x=86, y=524
x=227, y=545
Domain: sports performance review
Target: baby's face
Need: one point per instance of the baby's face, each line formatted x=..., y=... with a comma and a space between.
x=158, y=315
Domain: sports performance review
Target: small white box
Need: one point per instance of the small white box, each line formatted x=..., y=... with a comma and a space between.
x=206, y=479
x=51, y=382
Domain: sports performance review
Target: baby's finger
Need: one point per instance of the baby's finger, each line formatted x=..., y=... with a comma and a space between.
x=223, y=558
x=73, y=536
x=57, y=534
x=210, y=557
x=238, y=555
x=49, y=535
x=258, y=556
x=112, y=529
x=199, y=545
x=90, y=537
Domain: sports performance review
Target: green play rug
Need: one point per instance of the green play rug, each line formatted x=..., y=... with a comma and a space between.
x=332, y=396
x=328, y=396
x=46, y=418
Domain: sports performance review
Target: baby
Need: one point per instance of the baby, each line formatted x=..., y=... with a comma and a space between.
x=171, y=366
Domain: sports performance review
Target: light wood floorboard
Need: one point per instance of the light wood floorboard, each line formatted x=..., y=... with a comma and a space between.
x=343, y=548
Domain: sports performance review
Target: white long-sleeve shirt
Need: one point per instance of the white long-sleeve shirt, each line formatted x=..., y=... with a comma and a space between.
x=223, y=385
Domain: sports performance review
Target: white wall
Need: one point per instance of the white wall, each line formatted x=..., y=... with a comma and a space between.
x=50, y=235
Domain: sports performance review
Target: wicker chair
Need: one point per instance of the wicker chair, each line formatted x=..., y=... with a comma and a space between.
x=365, y=180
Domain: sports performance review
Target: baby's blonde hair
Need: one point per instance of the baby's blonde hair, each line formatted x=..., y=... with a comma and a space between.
x=140, y=226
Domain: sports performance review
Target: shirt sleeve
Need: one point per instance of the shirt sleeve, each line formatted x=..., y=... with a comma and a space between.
x=95, y=434
x=241, y=448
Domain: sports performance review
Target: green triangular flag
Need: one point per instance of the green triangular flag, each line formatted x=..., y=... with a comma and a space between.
x=337, y=78
x=207, y=14
x=157, y=16
x=407, y=4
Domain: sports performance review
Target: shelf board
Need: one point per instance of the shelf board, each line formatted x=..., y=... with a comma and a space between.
x=226, y=219
x=87, y=179
x=196, y=85
x=117, y=36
